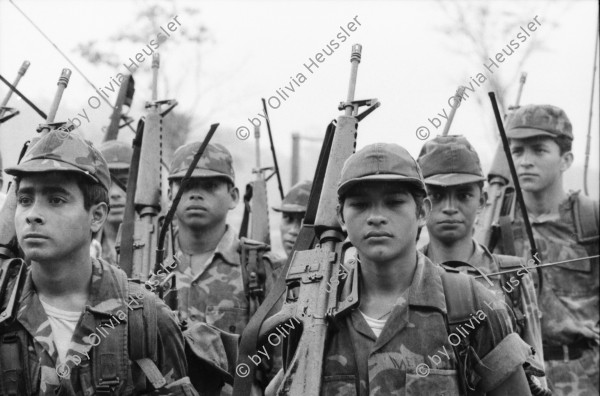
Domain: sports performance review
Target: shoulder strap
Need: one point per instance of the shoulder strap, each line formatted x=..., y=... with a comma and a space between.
x=142, y=336
x=461, y=302
x=14, y=368
x=585, y=218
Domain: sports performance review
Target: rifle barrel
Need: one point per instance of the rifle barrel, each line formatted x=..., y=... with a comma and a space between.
x=63, y=81
x=20, y=74
x=460, y=91
x=355, y=60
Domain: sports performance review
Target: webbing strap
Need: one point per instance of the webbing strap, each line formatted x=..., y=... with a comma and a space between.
x=12, y=365
x=585, y=218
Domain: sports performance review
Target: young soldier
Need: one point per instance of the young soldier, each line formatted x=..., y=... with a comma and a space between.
x=395, y=339
x=565, y=226
x=118, y=156
x=210, y=282
x=454, y=181
x=293, y=209
x=72, y=334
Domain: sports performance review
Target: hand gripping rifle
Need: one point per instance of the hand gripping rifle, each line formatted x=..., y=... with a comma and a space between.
x=124, y=98
x=494, y=225
x=310, y=299
x=139, y=234
x=12, y=272
x=9, y=110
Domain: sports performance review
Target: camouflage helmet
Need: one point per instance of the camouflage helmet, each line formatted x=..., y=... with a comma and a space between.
x=538, y=120
x=216, y=161
x=117, y=154
x=59, y=151
x=296, y=200
x=450, y=161
x=386, y=162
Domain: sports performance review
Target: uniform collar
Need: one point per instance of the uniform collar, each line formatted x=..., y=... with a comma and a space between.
x=426, y=289
x=227, y=248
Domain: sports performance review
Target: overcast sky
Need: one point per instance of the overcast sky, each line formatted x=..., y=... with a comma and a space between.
x=255, y=48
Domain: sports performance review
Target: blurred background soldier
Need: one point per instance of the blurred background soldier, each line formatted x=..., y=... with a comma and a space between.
x=118, y=156
x=293, y=209
x=454, y=181
x=565, y=226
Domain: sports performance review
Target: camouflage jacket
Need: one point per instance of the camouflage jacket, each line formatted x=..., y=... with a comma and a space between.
x=75, y=376
x=216, y=295
x=571, y=292
x=531, y=331
x=413, y=355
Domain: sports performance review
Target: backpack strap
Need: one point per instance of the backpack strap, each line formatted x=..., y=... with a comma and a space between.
x=14, y=362
x=461, y=302
x=505, y=263
x=585, y=219
x=142, y=335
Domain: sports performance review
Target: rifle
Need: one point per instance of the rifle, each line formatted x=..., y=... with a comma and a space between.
x=125, y=97
x=3, y=109
x=457, y=97
x=12, y=272
x=589, y=132
x=139, y=236
x=256, y=243
x=494, y=223
x=309, y=298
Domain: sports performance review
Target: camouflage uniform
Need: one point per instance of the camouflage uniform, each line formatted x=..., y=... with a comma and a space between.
x=451, y=161
x=358, y=363
x=49, y=376
x=413, y=354
x=216, y=295
x=570, y=297
x=87, y=359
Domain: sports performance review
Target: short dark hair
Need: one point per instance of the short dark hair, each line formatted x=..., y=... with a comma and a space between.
x=93, y=192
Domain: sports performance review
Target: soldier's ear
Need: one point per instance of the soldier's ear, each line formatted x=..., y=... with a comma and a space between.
x=98, y=212
x=423, y=214
x=340, y=217
x=234, y=193
x=566, y=161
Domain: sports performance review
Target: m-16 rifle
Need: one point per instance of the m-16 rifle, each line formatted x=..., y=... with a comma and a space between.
x=124, y=98
x=309, y=296
x=12, y=272
x=6, y=113
x=494, y=223
x=138, y=234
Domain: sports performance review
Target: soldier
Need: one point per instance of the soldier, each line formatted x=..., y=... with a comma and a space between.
x=399, y=337
x=454, y=181
x=293, y=209
x=565, y=226
x=118, y=156
x=80, y=328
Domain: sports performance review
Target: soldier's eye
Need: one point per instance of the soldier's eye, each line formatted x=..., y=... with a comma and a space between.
x=23, y=200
